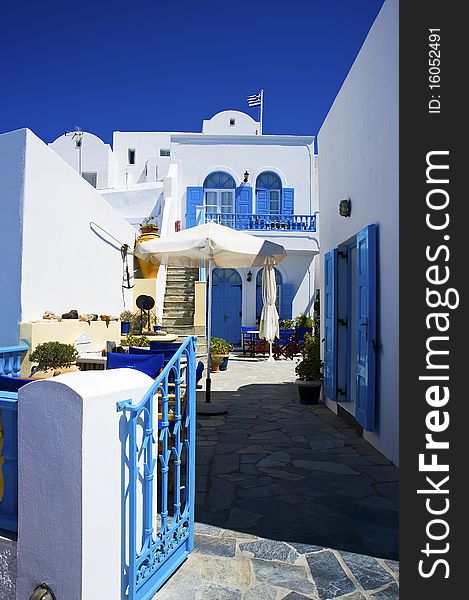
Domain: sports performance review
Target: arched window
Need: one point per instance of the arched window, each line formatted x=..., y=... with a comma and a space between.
x=259, y=303
x=270, y=185
x=219, y=198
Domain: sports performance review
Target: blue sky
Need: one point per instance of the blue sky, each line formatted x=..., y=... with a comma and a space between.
x=149, y=65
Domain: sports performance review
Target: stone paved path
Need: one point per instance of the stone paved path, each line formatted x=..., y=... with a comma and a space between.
x=291, y=502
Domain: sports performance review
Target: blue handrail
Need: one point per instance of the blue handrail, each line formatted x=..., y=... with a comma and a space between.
x=160, y=542
x=10, y=359
x=269, y=222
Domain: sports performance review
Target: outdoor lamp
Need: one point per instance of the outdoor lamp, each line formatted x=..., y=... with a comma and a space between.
x=345, y=208
x=246, y=176
x=43, y=592
x=249, y=276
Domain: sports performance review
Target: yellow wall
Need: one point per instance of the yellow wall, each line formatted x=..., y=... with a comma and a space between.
x=65, y=331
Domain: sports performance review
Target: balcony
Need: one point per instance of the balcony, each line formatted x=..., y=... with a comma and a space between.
x=247, y=222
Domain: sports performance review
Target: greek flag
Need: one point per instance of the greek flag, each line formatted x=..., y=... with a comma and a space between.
x=255, y=100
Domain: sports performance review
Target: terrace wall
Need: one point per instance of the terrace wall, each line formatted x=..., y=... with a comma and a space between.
x=54, y=256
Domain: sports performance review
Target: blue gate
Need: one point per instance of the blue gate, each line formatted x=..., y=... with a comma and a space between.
x=158, y=493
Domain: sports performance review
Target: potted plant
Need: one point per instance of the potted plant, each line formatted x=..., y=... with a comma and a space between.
x=149, y=231
x=304, y=321
x=309, y=371
x=286, y=324
x=53, y=358
x=126, y=319
x=219, y=350
x=131, y=340
x=148, y=225
x=156, y=322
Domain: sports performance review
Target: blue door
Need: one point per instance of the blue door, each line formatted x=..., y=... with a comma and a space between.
x=226, y=305
x=366, y=327
x=330, y=324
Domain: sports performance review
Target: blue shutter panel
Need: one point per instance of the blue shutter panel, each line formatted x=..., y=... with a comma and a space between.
x=366, y=327
x=286, y=301
x=194, y=198
x=330, y=324
x=243, y=206
x=244, y=200
x=288, y=201
x=262, y=202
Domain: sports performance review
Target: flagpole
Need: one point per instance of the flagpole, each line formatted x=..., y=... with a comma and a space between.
x=261, y=111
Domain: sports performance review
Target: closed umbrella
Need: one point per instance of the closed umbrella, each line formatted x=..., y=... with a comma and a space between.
x=269, y=327
x=217, y=246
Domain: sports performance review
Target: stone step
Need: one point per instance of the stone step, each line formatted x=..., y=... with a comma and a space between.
x=173, y=299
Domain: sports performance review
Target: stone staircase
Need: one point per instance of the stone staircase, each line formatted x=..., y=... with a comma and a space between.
x=179, y=306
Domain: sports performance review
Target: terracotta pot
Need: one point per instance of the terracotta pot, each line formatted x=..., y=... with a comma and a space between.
x=147, y=269
x=215, y=362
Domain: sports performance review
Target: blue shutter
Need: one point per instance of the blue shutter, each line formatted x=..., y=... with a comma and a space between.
x=194, y=198
x=244, y=200
x=366, y=327
x=259, y=303
x=286, y=300
x=243, y=206
x=262, y=202
x=330, y=324
x=288, y=201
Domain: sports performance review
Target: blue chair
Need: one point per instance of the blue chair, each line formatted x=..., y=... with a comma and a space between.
x=199, y=372
x=150, y=363
x=284, y=345
x=248, y=339
x=299, y=340
x=12, y=384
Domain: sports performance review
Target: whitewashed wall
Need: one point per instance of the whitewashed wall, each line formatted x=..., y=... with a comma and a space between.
x=70, y=491
x=55, y=259
x=289, y=157
x=147, y=146
x=220, y=124
x=95, y=155
x=12, y=160
x=358, y=159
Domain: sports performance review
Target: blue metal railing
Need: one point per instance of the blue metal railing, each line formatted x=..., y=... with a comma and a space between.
x=251, y=222
x=10, y=359
x=159, y=535
x=9, y=461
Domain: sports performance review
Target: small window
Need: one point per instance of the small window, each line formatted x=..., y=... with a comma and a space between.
x=164, y=152
x=232, y=122
x=90, y=177
x=131, y=156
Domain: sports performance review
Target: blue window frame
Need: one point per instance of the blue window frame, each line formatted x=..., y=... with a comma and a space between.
x=269, y=193
x=219, y=196
x=219, y=181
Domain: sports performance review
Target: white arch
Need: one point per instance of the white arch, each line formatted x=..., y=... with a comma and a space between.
x=223, y=168
x=253, y=177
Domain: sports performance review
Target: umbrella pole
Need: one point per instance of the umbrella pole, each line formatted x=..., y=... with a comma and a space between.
x=271, y=358
x=208, y=407
x=208, y=385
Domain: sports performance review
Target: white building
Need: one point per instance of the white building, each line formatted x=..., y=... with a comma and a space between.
x=228, y=173
x=358, y=163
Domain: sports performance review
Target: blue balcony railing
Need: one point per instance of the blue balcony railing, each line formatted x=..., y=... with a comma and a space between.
x=264, y=222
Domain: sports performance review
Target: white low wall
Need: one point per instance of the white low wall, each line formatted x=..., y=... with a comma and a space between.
x=70, y=483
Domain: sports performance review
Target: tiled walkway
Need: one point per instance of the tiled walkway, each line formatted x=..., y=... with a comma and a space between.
x=291, y=502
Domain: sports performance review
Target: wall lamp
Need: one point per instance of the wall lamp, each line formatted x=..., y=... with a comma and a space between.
x=246, y=176
x=345, y=207
x=249, y=277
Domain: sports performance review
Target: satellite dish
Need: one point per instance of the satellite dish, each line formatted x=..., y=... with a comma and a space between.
x=144, y=302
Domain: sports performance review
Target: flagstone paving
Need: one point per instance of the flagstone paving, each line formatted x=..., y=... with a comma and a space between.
x=291, y=501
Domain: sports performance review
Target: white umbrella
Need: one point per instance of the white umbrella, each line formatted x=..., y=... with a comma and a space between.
x=269, y=327
x=217, y=246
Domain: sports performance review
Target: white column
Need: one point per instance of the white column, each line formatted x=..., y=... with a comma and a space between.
x=70, y=482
